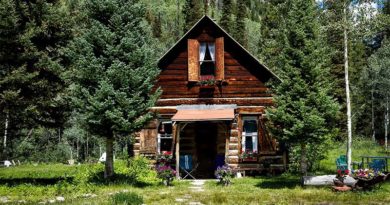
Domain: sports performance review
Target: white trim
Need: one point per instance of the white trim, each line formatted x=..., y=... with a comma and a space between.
x=254, y=135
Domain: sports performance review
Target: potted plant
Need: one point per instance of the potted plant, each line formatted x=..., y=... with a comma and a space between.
x=340, y=177
x=207, y=83
x=165, y=158
x=166, y=174
x=249, y=156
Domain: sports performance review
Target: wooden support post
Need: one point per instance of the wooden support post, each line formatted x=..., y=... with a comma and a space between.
x=228, y=134
x=178, y=150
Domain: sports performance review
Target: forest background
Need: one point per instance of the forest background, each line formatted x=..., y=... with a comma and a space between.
x=40, y=121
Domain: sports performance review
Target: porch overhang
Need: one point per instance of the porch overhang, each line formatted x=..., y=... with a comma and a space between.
x=198, y=113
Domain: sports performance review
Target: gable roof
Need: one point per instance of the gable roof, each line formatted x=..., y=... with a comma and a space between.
x=205, y=21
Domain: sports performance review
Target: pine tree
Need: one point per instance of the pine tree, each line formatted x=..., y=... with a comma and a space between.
x=114, y=71
x=32, y=36
x=379, y=79
x=272, y=35
x=226, y=21
x=240, y=33
x=305, y=110
x=192, y=12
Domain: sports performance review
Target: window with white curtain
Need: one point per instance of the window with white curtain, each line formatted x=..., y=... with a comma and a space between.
x=249, y=134
x=207, y=60
x=164, y=137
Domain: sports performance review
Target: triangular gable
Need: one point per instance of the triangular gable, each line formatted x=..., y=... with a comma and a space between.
x=205, y=20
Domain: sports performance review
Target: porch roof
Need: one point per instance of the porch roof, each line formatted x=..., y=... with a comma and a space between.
x=189, y=115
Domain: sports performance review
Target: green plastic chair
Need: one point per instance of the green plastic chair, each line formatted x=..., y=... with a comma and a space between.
x=341, y=163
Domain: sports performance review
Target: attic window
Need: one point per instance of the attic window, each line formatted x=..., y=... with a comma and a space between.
x=207, y=60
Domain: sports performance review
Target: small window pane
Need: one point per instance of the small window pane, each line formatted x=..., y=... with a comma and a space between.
x=166, y=145
x=165, y=128
x=248, y=143
x=250, y=126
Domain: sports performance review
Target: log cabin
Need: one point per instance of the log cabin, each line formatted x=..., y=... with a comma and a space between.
x=212, y=106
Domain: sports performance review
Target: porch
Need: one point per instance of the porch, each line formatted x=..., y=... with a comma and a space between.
x=211, y=135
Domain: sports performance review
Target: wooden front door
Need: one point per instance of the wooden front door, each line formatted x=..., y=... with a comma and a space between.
x=206, y=148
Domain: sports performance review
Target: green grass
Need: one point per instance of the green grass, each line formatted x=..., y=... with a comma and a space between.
x=284, y=189
x=359, y=147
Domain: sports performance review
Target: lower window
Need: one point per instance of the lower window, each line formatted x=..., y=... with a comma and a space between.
x=249, y=134
x=164, y=137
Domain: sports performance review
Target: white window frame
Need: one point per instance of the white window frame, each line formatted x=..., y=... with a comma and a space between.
x=162, y=136
x=254, y=135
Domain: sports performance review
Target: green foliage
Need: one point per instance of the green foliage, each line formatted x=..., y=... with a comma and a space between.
x=240, y=32
x=127, y=198
x=305, y=110
x=226, y=21
x=32, y=91
x=114, y=68
x=192, y=11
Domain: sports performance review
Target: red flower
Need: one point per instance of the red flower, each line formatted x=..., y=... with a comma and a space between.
x=339, y=172
x=346, y=171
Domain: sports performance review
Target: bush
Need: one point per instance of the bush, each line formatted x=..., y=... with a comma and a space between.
x=224, y=174
x=128, y=198
x=136, y=172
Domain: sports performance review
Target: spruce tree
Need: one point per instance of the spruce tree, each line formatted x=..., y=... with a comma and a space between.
x=240, y=33
x=192, y=12
x=305, y=109
x=226, y=21
x=32, y=35
x=114, y=71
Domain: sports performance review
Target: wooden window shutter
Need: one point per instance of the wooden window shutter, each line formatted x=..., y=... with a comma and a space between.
x=219, y=59
x=193, y=60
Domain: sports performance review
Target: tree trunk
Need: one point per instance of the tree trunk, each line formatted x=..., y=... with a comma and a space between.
x=86, y=150
x=372, y=115
x=109, y=165
x=349, y=120
x=5, y=135
x=303, y=159
x=386, y=120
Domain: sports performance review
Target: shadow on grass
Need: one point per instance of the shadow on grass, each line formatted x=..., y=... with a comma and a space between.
x=98, y=178
x=118, y=179
x=279, y=182
x=34, y=181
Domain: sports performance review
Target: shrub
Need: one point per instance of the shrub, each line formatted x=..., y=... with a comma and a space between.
x=165, y=173
x=128, y=198
x=224, y=174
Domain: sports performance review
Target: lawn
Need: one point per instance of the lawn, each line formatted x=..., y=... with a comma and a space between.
x=41, y=183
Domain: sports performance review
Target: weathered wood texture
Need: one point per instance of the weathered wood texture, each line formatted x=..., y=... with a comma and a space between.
x=244, y=101
x=148, y=139
x=193, y=60
x=241, y=79
x=219, y=59
x=325, y=180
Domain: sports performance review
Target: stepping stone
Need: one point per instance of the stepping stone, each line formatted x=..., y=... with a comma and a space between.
x=60, y=198
x=187, y=196
x=179, y=200
x=195, y=203
x=197, y=182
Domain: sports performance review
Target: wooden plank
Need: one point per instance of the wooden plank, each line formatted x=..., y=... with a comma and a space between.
x=219, y=59
x=177, y=150
x=240, y=102
x=193, y=60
